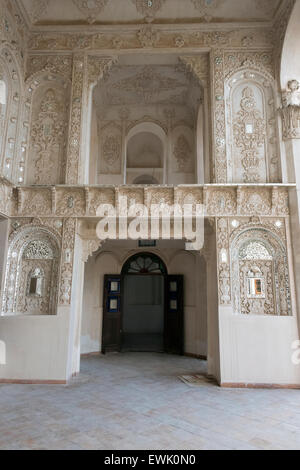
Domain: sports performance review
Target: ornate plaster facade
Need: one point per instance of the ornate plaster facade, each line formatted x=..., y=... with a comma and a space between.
x=95, y=106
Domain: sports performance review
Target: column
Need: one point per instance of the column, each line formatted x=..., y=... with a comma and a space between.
x=290, y=113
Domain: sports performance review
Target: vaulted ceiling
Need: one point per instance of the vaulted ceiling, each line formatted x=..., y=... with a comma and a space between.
x=110, y=12
x=137, y=82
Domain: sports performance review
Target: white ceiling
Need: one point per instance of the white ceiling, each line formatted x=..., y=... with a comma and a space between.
x=110, y=12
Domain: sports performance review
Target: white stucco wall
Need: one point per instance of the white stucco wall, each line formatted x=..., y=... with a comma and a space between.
x=257, y=349
x=36, y=347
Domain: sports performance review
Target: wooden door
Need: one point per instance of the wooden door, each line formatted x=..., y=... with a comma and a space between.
x=112, y=314
x=174, y=315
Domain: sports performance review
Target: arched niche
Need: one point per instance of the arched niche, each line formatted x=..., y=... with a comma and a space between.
x=146, y=154
x=32, y=271
x=10, y=114
x=251, y=128
x=260, y=277
x=49, y=103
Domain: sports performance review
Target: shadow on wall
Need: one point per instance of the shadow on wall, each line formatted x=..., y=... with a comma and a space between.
x=2, y=353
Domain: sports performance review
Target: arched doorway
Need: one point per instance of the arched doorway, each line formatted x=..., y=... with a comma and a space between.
x=143, y=303
x=143, y=307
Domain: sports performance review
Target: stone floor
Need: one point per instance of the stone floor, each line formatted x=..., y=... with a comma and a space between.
x=135, y=401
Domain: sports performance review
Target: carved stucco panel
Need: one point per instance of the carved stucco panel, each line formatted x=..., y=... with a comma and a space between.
x=252, y=134
x=44, y=131
x=224, y=274
x=100, y=196
x=221, y=202
x=275, y=273
x=111, y=149
x=6, y=194
x=16, y=297
x=73, y=154
x=159, y=196
x=254, y=201
x=55, y=64
x=219, y=127
x=149, y=36
x=70, y=202
x=133, y=197
x=37, y=202
x=67, y=261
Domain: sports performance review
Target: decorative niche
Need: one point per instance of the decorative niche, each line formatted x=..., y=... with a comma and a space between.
x=252, y=134
x=145, y=159
x=31, y=280
x=260, y=278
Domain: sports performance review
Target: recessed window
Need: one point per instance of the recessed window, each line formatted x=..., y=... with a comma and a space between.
x=256, y=284
x=36, y=282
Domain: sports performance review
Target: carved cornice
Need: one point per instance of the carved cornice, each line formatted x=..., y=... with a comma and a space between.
x=179, y=37
x=218, y=200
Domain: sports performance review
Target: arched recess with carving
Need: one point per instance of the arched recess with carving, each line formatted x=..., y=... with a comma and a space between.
x=260, y=275
x=146, y=153
x=47, y=114
x=32, y=272
x=10, y=112
x=252, y=132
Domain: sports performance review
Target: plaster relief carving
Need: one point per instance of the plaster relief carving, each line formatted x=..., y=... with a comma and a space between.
x=48, y=134
x=38, y=8
x=37, y=202
x=61, y=65
x=148, y=8
x=182, y=153
x=221, y=202
x=111, y=148
x=252, y=140
x=207, y=9
x=291, y=111
x=255, y=201
x=90, y=247
x=73, y=154
x=148, y=36
x=67, y=260
x=223, y=262
x=259, y=252
x=249, y=132
x=32, y=249
x=70, y=202
x=148, y=84
x=97, y=197
x=220, y=170
x=90, y=8
x=291, y=97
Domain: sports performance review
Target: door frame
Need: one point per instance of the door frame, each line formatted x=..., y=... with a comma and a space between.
x=121, y=277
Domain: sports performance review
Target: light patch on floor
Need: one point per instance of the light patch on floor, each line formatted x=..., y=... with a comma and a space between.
x=136, y=401
x=194, y=380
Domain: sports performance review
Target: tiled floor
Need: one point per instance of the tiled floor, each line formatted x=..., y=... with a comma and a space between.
x=135, y=401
